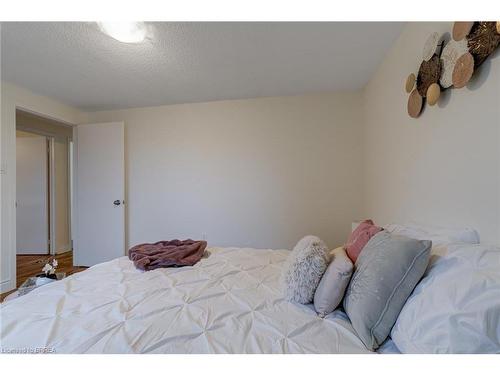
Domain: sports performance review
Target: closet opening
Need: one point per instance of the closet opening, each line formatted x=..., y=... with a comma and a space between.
x=43, y=193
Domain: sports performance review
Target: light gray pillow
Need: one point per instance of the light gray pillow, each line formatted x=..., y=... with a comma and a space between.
x=303, y=269
x=385, y=274
x=334, y=282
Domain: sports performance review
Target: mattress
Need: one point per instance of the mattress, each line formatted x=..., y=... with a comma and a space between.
x=229, y=302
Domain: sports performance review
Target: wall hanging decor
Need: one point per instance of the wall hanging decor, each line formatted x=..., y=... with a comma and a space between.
x=463, y=70
x=451, y=53
x=428, y=73
x=450, y=65
x=414, y=104
x=482, y=41
x=461, y=30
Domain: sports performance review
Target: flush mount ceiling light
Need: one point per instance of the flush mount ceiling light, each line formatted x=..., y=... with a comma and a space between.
x=126, y=32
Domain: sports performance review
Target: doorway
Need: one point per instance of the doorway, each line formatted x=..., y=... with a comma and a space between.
x=43, y=191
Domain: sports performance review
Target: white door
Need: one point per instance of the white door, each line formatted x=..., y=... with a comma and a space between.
x=99, y=193
x=32, y=214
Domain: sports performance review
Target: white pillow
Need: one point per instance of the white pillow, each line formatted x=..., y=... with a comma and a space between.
x=438, y=235
x=304, y=268
x=334, y=282
x=456, y=306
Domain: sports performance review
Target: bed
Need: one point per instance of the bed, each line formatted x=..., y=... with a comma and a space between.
x=229, y=302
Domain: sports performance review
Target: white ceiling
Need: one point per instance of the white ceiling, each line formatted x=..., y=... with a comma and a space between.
x=191, y=62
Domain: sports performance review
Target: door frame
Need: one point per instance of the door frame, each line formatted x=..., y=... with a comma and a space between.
x=15, y=98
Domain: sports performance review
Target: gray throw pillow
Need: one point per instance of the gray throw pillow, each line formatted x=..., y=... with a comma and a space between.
x=303, y=269
x=385, y=274
x=334, y=282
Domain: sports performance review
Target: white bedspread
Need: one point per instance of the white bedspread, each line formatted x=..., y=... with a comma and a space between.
x=230, y=302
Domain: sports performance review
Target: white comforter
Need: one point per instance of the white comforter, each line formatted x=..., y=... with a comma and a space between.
x=229, y=302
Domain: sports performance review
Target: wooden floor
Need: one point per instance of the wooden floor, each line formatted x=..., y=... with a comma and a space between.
x=31, y=265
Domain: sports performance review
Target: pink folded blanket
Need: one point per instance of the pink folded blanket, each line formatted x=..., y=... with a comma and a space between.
x=175, y=253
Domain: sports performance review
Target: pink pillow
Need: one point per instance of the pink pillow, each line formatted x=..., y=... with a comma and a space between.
x=359, y=237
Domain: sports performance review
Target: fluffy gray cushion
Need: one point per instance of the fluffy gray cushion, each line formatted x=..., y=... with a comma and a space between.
x=385, y=274
x=334, y=283
x=303, y=269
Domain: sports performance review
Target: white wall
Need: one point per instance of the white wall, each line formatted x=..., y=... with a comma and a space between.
x=13, y=97
x=444, y=167
x=259, y=172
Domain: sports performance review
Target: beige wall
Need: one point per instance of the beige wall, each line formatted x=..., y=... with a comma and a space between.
x=258, y=172
x=31, y=122
x=444, y=167
x=21, y=134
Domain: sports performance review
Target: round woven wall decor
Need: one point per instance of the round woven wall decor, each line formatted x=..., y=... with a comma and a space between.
x=429, y=73
x=410, y=82
x=451, y=52
x=461, y=30
x=482, y=41
x=433, y=94
x=414, y=104
x=463, y=70
x=430, y=46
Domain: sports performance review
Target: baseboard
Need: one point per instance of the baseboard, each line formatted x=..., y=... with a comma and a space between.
x=6, y=286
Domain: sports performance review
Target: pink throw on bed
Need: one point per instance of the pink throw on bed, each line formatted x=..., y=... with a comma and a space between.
x=148, y=256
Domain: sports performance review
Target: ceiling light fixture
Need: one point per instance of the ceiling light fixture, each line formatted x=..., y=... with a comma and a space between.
x=126, y=32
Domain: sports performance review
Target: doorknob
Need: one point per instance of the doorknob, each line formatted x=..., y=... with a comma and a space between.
x=117, y=202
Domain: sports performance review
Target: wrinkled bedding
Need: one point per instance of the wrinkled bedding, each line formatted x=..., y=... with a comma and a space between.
x=229, y=302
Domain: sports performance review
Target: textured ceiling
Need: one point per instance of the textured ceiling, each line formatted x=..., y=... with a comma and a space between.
x=191, y=62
